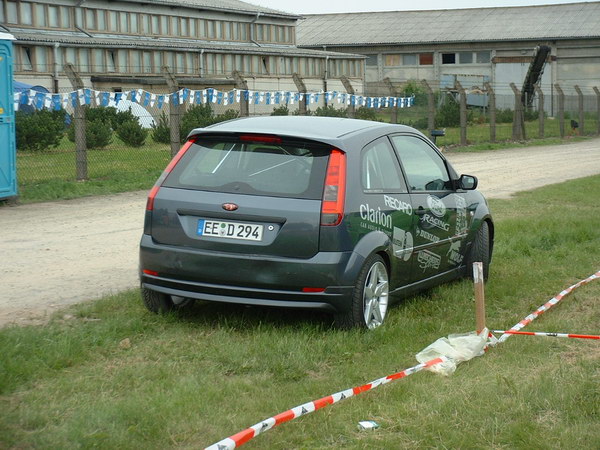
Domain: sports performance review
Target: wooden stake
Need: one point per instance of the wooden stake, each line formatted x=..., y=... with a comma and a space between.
x=479, y=297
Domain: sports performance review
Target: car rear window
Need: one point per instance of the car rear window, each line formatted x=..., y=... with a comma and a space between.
x=226, y=164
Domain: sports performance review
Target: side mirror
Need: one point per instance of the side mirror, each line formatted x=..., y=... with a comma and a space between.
x=467, y=182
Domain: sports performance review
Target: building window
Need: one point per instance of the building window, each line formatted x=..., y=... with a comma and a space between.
x=392, y=60
x=53, y=16
x=12, y=15
x=113, y=21
x=101, y=20
x=123, y=56
x=409, y=60
x=110, y=61
x=426, y=59
x=90, y=19
x=483, y=57
x=26, y=14
x=41, y=59
x=135, y=61
x=448, y=58
x=84, y=60
x=133, y=23
x=98, y=58
x=465, y=57
x=26, y=59
x=147, y=62
x=155, y=25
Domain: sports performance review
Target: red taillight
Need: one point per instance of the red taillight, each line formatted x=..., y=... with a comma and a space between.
x=334, y=193
x=150, y=272
x=167, y=171
x=266, y=139
x=313, y=289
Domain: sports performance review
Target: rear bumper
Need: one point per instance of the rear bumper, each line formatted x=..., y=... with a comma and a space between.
x=250, y=279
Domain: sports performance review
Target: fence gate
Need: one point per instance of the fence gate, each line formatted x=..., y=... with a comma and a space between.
x=8, y=170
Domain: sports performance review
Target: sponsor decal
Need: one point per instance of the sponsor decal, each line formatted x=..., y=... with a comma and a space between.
x=397, y=204
x=453, y=253
x=427, y=235
x=436, y=206
x=376, y=216
x=435, y=222
x=402, y=243
x=462, y=224
x=429, y=260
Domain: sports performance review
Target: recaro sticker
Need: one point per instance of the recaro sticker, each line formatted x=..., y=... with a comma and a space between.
x=397, y=204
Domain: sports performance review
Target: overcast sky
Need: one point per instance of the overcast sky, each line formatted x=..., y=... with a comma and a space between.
x=331, y=6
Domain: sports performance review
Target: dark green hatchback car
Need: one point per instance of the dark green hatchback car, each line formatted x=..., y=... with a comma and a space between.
x=309, y=212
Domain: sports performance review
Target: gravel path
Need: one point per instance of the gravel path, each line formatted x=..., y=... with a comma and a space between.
x=59, y=253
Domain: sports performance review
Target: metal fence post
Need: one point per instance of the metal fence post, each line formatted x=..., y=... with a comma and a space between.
x=492, y=109
x=597, y=108
x=350, y=91
x=561, y=109
x=242, y=84
x=518, y=116
x=463, y=112
x=581, y=114
x=430, y=107
x=393, y=93
x=173, y=110
x=541, y=116
x=81, y=162
x=302, y=89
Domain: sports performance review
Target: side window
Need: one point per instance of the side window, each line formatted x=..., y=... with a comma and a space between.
x=425, y=169
x=379, y=168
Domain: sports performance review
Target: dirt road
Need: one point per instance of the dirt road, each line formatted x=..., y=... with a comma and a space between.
x=55, y=254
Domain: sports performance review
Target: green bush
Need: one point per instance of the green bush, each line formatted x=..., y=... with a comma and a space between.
x=281, y=111
x=103, y=113
x=98, y=133
x=448, y=115
x=365, y=113
x=200, y=116
x=330, y=111
x=132, y=133
x=414, y=88
x=161, y=132
x=40, y=130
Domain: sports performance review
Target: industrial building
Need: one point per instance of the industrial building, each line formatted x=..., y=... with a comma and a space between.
x=123, y=44
x=470, y=45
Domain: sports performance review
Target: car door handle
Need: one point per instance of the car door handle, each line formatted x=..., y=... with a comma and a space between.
x=420, y=211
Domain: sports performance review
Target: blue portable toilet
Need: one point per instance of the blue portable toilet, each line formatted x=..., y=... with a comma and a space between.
x=8, y=148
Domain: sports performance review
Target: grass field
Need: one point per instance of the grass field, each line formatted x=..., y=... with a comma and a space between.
x=51, y=175
x=188, y=380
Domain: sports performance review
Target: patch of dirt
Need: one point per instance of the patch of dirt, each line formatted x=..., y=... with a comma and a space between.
x=65, y=252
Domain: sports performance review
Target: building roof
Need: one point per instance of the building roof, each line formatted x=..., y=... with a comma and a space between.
x=236, y=6
x=79, y=39
x=547, y=22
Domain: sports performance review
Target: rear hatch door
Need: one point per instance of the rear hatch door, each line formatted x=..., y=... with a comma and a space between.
x=248, y=194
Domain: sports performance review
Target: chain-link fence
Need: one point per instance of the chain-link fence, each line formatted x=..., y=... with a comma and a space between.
x=129, y=136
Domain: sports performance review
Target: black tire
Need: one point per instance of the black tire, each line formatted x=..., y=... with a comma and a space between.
x=160, y=303
x=480, y=251
x=369, y=298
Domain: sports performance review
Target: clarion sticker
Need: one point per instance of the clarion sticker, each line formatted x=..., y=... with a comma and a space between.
x=436, y=222
x=429, y=260
x=375, y=216
x=402, y=243
x=436, y=205
x=398, y=205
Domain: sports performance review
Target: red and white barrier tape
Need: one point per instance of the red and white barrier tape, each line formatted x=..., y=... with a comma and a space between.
x=539, y=333
x=249, y=433
x=244, y=436
x=549, y=304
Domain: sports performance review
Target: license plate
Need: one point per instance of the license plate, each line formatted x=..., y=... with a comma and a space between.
x=229, y=230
